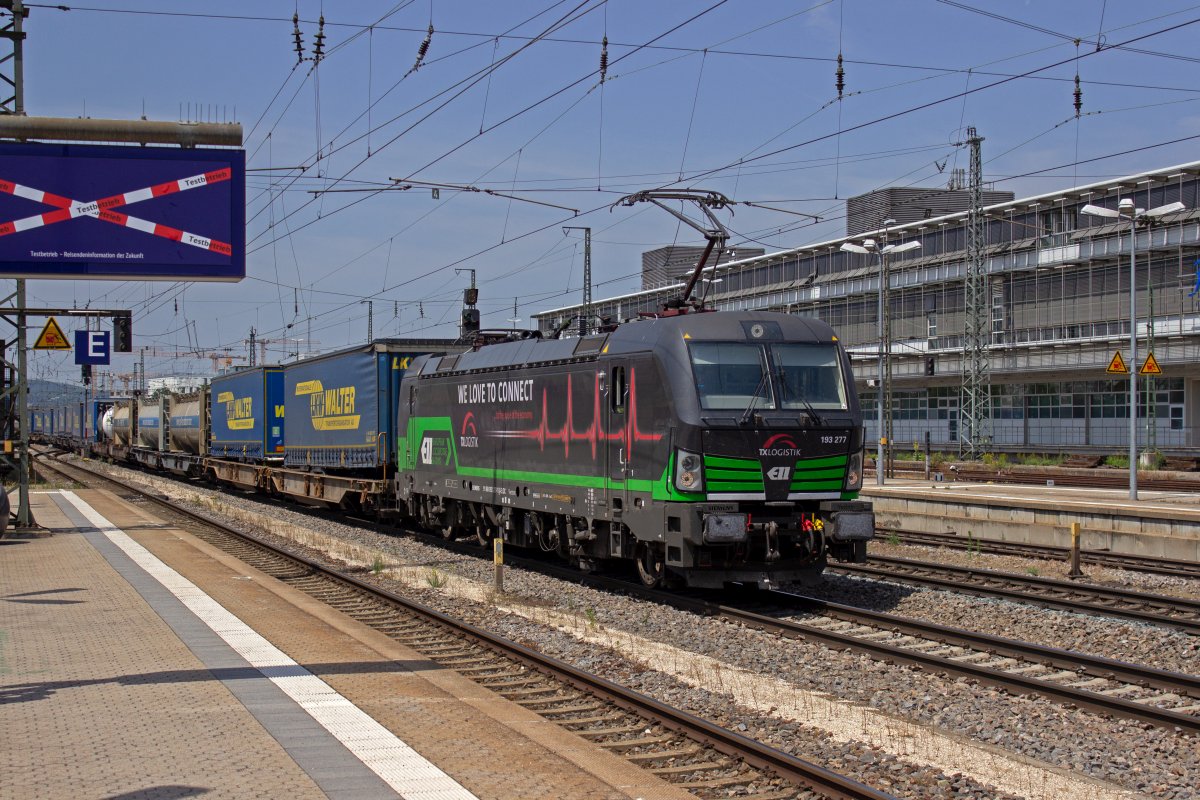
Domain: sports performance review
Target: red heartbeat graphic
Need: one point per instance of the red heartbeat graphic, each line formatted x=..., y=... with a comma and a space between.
x=592, y=435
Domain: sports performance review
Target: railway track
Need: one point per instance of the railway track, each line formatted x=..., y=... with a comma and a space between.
x=1153, y=609
x=1167, y=699
x=1175, y=568
x=1116, y=479
x=691, y=753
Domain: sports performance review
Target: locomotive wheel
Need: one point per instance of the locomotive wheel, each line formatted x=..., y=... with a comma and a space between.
x=651, y=565
x=483, y=533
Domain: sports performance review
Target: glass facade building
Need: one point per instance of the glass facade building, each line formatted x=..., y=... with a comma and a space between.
x=1058, y=288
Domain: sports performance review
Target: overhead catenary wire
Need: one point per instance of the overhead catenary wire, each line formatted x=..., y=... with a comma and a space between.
x=598, y=187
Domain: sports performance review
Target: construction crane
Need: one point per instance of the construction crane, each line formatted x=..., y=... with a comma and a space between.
x=219, y=358
x=292, y=347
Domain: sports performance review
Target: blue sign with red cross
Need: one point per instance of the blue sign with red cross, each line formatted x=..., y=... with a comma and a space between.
x=122, y=213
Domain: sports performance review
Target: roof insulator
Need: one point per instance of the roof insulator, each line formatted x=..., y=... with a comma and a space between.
x=1078, y=97
x=299, y=40
x=604, y=59
x=319, y=48
x=841, y=77
x=422, y=50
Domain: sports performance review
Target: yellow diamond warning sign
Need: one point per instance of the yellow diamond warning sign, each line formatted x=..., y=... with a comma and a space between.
x=1150, y=366
x=1117, y=365
x=51, y=338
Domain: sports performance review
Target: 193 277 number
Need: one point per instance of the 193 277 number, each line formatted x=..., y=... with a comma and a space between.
x=834, y=439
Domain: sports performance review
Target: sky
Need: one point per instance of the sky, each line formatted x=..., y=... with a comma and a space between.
x=736, y=96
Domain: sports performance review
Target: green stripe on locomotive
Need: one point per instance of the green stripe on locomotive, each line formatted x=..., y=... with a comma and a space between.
x=723, y=474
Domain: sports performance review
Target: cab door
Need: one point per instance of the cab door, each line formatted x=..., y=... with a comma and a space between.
x=616, y=411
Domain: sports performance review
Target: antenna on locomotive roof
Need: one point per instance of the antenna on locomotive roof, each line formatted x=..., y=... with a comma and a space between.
x=717, y=235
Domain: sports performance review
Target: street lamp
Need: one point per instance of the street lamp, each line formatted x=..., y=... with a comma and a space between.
x=870, y=246
x=1126, y=210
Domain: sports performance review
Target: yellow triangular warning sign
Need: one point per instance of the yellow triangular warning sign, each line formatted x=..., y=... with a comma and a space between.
x=1117, y=365
x=51, y=338
x=1150, y=366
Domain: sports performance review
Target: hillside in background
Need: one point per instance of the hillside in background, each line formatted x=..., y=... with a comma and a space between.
x=48, y=394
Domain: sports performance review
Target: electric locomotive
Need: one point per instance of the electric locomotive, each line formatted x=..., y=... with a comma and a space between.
x=707, y=448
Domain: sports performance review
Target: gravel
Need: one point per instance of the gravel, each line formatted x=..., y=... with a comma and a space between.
x=1134, y=755
x=1103, y=576
x=1107, y=637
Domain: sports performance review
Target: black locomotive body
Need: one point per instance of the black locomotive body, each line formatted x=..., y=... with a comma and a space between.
x=709, y=448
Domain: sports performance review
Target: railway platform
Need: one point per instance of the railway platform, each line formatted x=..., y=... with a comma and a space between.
x=1164, y=524
x=137, y=661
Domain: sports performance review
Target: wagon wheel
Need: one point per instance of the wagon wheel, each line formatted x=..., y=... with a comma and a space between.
x=446, y=524
x=651, y=565
x=483, y=533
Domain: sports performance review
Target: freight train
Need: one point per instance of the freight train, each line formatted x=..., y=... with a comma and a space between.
x=704, y=449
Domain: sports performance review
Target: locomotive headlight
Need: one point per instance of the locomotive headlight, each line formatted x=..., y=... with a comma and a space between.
x=688, y=474
x=854, y=476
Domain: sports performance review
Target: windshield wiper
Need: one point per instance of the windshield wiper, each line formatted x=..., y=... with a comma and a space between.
x=754, y=400
x=786, y=390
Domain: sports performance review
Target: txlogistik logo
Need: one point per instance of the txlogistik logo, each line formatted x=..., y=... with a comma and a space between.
x=781, y=444
x=468, y=435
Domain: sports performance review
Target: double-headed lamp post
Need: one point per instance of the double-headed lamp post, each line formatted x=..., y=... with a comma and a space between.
x=871, y=246
x=1126, y=210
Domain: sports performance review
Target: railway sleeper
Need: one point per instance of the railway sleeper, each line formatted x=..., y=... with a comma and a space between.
x=1003, y=663
x=785, y=794
x=534, y=702
x=579, y=709
x=475, y=659
x=598, y=732
x=526, y=692
x=684, y=769
x=645, y=741
x=593, y=720
x=1029, y=670
x=718, y=783
x=662, y=755
x=502, y=685
x=498, y=669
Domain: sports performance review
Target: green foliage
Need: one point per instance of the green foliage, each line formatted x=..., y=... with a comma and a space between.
x=995, y=460
x=1033, y=571
x=893, y=538
x=974, y=547
x=1117, y=462
x=590, y=613
x=437, y=578
x=1040, y=460
x=377, y=565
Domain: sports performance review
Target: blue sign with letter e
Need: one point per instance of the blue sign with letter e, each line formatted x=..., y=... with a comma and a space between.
x=92, y=347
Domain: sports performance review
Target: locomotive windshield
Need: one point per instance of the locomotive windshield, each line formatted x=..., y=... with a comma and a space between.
x=731, y=375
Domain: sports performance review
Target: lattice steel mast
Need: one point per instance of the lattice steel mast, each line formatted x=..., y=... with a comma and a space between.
x=15, y=396
x=977, y=389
